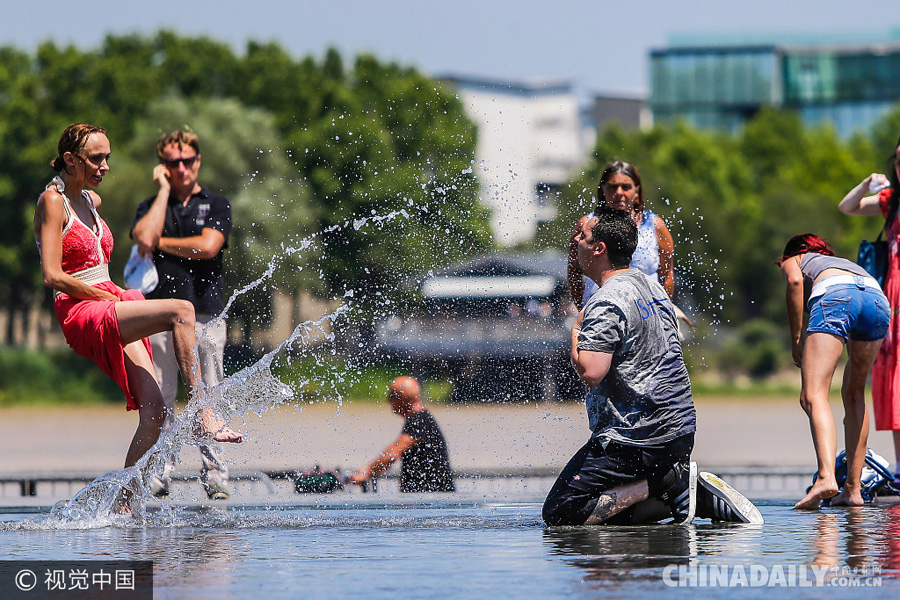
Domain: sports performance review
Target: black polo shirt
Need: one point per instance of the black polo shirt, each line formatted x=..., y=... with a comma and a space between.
x=199, y=280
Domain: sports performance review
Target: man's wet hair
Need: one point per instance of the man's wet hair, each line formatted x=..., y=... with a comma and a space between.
x=615, y=228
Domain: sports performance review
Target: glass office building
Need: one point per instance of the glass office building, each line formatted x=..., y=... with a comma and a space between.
x=721, y=86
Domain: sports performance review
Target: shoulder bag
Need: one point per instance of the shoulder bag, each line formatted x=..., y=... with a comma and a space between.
x=873, y=256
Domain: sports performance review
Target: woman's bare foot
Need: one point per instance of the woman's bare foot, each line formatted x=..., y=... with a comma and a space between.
x=821, y=489
x=123, y=503
x=229, y=435
x=210, y=426
x=846, y=498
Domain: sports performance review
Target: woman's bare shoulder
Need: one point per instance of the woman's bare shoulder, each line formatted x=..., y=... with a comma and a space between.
x=50, y=199
x=95, y=198
x=659, y=221
x=662, y=230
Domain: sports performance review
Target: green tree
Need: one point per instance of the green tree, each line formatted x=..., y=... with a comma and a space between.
x=359, y=143
x=731, y=202
x=381, y=139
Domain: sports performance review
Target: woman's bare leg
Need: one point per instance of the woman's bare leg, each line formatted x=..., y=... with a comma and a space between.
x=856, y=419
x=151, y=408
x=820, y=357
x=140, y=318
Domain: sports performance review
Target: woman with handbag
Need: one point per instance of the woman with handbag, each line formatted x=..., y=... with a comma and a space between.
x=846, y=308
x=879, y=194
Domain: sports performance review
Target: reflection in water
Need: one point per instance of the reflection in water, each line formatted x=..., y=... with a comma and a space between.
x=859, y=538
x=206, y=557
x=853, y=523
x=826, y=540
x=731, y=542
x=888, y=543
x=472, y=549
x=617, y=553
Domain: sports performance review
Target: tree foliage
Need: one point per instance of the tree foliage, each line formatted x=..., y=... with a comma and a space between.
x=731, y=202
x=365, y=167
x=299, y=145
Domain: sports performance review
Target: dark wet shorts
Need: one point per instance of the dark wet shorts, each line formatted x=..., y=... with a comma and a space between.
x=850, y=312
x=601, y=465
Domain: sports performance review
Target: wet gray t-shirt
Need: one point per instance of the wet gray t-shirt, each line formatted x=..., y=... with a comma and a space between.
x=645, y=399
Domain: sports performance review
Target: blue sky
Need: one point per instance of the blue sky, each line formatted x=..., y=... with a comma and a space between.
x=587, y=41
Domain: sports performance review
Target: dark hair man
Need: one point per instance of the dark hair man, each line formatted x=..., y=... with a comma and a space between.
x=625, y=348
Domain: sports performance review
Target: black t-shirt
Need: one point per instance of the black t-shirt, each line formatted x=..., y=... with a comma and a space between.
x=425, y=466
x=199, y=280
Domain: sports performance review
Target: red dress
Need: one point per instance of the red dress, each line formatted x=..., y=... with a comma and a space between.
x=91, y=327
x=885, y=374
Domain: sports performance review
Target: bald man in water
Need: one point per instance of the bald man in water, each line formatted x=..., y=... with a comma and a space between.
x=421, y=448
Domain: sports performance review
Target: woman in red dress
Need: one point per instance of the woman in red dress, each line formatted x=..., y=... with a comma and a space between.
x=99, y=319
x=876, y=195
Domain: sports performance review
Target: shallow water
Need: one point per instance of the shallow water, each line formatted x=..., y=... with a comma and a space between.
x=385, y=545
x=448, y=548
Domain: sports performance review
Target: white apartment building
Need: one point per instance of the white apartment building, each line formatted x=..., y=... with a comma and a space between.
x=530, y=140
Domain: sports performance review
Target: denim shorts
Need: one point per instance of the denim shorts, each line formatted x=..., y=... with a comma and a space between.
x=850, y=312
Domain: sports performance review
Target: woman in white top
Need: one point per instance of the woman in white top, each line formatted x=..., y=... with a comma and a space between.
x=620, y=187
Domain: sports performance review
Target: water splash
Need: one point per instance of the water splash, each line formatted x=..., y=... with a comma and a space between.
x=254, y=388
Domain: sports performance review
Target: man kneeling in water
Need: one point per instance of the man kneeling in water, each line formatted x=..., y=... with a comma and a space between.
x=636, y=466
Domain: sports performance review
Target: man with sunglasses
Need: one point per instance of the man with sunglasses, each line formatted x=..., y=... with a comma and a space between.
x=186, y=227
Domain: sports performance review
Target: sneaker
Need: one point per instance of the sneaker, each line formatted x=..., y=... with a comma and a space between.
x=719, y=501
x=159, y=487
x=682, y=496
x=216, y=490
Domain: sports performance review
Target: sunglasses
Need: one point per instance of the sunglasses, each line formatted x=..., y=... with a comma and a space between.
x=187, y=162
